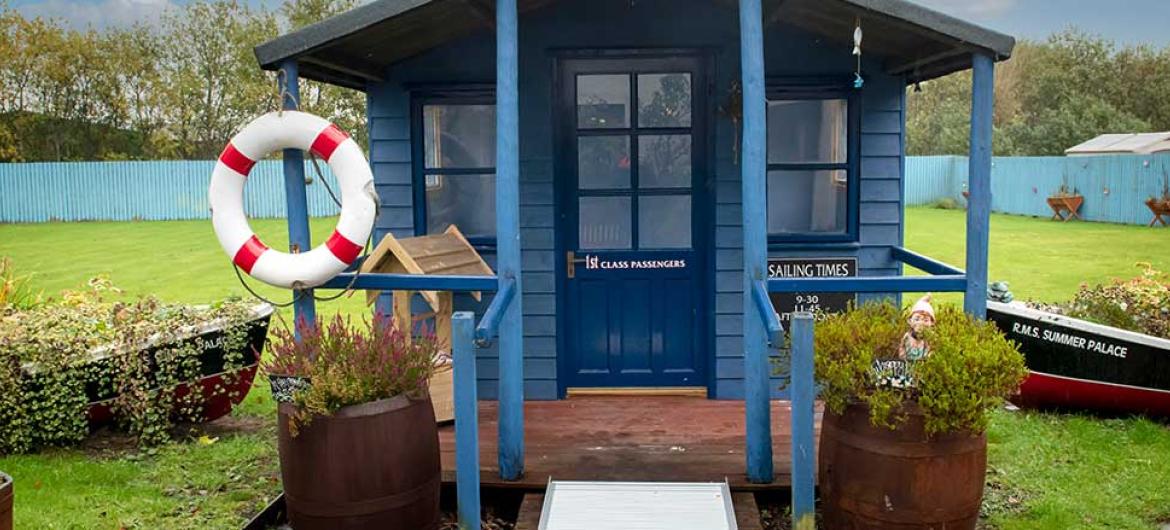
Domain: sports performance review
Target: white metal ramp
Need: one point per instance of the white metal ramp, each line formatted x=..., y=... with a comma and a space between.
x=572, y=505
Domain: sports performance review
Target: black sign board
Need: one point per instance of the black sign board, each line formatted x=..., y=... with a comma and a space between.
x=787, y=303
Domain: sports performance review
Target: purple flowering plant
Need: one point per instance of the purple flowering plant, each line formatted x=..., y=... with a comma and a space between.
x=343, y=364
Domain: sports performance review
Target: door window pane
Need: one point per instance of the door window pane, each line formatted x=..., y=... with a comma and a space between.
x=603, y=101
x=604, y=223
x=664, y=161
x=664, y=221
x=807, y=131
x=459, y=136
x=466, y=201
x=664, y=100
x=603, y=162
x=807, y=201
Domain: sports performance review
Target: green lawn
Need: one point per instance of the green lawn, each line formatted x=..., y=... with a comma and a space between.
x=1047, y=471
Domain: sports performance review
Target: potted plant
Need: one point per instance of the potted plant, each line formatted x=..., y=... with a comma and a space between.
x=358, y=443
x=1159, y=206
x=1066, y=204
x=5, y=502
x=906, y=407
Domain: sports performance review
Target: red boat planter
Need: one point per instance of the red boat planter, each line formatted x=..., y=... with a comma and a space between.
x=359, y=446
x=1077, y=364
x=6, y=497
x=222, y=386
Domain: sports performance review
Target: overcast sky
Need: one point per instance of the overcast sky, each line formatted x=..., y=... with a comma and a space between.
x=1126, y=21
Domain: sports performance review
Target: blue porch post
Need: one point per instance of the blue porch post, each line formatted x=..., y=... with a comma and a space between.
x=466, y=420
x=979, y=183
x=511, y=399
x=755, y=242
x=296, y=198
x=803, y=423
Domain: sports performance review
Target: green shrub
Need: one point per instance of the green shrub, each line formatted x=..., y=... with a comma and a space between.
x=344, y=365
x=16, y=293
x=971, y=367
x=946, y=203
x=1140, y=304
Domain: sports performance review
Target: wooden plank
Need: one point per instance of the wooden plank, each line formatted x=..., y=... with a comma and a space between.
x=644, y=438
x=699, y=392
x=747, y=512
x=530, y=509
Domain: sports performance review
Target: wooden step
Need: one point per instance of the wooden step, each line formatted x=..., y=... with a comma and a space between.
x=747, y=513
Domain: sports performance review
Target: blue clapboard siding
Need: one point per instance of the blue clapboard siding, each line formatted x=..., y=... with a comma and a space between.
x=1115, y=187
x=149, y=191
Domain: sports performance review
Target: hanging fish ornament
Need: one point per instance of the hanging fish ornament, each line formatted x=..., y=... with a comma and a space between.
x=857, y=34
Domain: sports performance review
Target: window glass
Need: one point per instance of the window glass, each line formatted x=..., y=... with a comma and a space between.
x=807, y=131
x=664, y=161
x=603, y=101
x=664, y=221
x=807, y=201
x=466, y=201
x=603, y=162
x=664, y=100
x=604, y=223
x=459, y=136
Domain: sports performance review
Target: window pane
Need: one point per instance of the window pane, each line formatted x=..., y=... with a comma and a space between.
x=807, y=201
x=664, y=221
x=603, y=101
x=460, y=136
x=664, y=161
x=604, y=223
x=664, y=100
x=807, y=131
x=466, y=201
x=603, y=162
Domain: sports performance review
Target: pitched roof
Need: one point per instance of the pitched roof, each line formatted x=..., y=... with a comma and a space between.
x=356, y=46
x=1126, y=143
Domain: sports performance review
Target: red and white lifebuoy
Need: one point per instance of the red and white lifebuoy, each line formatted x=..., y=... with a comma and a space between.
x=292, y=130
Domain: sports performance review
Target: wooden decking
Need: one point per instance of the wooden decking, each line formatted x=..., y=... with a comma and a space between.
x=655, y=438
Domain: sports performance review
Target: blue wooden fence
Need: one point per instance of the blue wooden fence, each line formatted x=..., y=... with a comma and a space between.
x=1114, y=187
x=124, y=191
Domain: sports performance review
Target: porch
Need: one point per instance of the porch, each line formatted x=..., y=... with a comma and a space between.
x=628, y=438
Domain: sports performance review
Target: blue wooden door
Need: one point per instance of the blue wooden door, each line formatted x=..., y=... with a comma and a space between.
x=633, y=178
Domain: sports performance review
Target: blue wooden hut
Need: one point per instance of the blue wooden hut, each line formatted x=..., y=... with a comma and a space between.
x=631, y=168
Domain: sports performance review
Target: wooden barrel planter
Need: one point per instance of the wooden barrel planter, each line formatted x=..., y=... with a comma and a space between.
x=877, y=478
x=6, y=493
x=374, y=465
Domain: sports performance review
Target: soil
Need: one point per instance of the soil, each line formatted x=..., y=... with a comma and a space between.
x=109, y=441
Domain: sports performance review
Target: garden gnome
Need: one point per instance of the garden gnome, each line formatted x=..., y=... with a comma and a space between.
x=913, y=346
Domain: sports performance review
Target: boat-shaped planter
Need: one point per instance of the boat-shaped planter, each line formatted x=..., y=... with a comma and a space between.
x=1076, y=364
x=223, y=386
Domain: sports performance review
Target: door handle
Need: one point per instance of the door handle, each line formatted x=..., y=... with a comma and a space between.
x=571, y=261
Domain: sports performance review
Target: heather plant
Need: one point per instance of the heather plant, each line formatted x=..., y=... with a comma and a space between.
x=971, y=367
x=50, y=353
x=343, y=364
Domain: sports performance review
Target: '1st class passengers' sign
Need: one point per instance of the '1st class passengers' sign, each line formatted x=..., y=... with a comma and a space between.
x=787, y=303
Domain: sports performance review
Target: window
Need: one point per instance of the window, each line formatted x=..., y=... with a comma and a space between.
x=455, y=182
x=811, y=178
x=634, y=161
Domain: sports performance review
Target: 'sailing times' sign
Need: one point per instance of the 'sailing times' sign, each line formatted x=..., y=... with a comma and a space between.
x=787, y=303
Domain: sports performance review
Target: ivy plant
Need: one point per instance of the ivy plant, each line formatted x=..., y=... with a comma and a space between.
x=141, y=352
